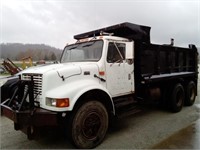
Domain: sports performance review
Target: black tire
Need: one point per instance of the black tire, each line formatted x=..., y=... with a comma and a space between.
x=7, y=90
x=177, y=98
x=88, y=125
x=190, y=93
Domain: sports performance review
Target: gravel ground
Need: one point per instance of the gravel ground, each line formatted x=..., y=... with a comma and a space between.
x=140, y=131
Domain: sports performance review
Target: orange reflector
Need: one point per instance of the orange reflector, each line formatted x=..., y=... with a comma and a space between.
x=62, y=102
x=101, y=73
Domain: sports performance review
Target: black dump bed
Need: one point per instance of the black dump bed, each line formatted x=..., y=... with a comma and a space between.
x=158, y=62
x=126, y=30
x=160, y=65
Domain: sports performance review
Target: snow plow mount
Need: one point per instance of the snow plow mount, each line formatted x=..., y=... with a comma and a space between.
x=27, y=114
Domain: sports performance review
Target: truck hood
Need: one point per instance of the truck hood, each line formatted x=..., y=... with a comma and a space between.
x=62, y=69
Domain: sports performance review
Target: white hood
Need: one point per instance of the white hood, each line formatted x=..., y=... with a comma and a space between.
x=62, y=69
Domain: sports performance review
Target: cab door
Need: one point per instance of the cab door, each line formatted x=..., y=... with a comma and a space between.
x=119, y=71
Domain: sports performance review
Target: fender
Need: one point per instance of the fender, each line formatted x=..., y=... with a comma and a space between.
x=74, y=92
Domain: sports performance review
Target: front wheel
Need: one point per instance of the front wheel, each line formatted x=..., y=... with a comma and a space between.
x=88, y=125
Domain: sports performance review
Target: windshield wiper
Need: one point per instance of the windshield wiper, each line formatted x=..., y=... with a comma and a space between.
x=88, y=44
x=74, y=47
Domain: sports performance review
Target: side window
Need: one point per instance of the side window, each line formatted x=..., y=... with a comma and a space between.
x=116, y=52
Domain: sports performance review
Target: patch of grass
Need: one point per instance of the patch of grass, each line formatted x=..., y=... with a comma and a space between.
x=5, y=74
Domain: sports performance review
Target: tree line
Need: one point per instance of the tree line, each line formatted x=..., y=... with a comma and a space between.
x=18, y=51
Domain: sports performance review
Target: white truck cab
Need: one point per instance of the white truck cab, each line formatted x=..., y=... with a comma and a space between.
x=102, y=63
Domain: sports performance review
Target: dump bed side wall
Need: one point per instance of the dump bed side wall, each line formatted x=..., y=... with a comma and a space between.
x=160, y=59
x=154, y=63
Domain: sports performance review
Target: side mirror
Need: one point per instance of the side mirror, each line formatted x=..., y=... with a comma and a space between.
x=129, y=52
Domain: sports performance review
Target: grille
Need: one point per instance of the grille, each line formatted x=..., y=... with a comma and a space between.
x=37, y=82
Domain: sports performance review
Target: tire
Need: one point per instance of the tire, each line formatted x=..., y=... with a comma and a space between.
x=88, y=125
x=190, y=94
x=177, y=98
x=7, y=90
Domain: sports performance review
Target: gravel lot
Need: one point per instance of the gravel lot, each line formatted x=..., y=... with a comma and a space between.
x=140, y=131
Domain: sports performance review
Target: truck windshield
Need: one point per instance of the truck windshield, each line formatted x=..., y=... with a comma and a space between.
x=87, y=51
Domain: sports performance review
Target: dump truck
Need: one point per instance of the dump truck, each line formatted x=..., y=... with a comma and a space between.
x=105, y=74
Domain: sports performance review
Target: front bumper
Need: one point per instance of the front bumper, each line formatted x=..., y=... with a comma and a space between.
x=29, y=121
x=22, y=108
x=35, y=117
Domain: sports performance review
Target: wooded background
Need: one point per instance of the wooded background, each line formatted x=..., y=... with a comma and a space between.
x=17, y=51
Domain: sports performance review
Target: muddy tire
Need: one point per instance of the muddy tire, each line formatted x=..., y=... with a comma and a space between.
x=177, y=98
x=190, y=93
x=88, y=125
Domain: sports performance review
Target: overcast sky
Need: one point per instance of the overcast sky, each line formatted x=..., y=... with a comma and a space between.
x=54, y=22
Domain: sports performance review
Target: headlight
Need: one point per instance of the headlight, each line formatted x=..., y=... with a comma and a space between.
x=58, y=102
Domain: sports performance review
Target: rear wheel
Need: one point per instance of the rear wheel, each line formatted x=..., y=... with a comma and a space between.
x=190, y=93
x=177, y=98
x=88, y=125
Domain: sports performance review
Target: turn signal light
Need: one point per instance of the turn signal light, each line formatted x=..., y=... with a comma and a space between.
x=101, y=73
x=62, y=102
